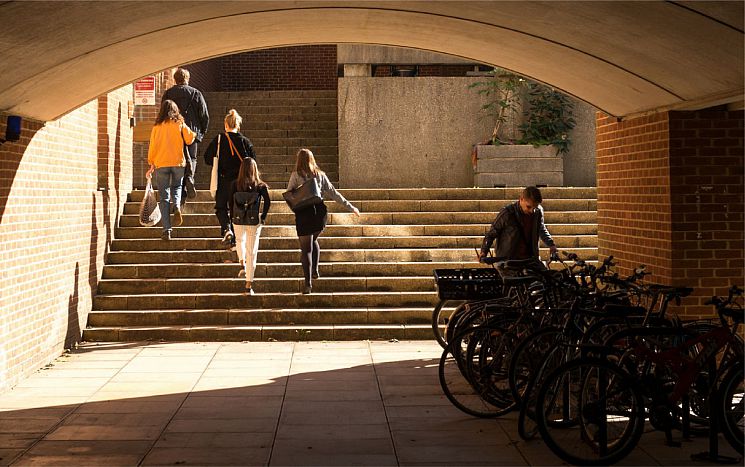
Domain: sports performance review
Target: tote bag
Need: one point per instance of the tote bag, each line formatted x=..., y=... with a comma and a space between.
x=307, y=194
x=149, y=209
x=215, y=164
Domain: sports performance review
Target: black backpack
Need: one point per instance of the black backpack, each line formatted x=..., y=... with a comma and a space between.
x=246, y=208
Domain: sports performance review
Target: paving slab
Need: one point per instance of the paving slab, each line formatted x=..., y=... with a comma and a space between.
x=264, y=403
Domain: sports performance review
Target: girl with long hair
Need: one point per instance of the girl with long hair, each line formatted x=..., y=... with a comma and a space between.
x=311, y=220
x=247, y=234
x=166, y=157
x=234, y=149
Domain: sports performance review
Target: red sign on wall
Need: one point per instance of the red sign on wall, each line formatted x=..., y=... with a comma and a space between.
x=145, y=91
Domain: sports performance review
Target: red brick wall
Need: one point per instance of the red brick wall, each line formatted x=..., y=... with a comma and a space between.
x=205, y=75
x=56, y=225
x=707, y=190
x=670, y=195
x=285, y=68
x=633, y=180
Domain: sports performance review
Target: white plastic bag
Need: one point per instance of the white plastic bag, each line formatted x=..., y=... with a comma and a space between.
x=149, y=209
x=213, y=175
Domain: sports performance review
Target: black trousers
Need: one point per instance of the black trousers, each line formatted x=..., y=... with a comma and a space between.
x=191, y=168
x=222, y=198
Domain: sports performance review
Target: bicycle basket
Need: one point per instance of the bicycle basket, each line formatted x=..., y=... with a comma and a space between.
x=468, y=284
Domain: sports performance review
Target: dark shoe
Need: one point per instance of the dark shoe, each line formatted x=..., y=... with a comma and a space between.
x=178, y=219
x=227, y=239
x=315, y=275
x=166, y=235
x=307, y=290
x=249, y=291
x=191, y=192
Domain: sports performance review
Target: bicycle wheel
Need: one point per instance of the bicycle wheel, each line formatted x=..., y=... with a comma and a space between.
x=528, y=357
x=590, y=412
x=732, y=408
x=526, y=425
x=457, y=373
x=440, y=319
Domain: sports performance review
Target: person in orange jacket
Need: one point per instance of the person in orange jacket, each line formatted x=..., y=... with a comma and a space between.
x=166, y=158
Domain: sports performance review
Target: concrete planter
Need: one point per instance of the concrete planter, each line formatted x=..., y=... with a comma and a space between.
x=518, y=165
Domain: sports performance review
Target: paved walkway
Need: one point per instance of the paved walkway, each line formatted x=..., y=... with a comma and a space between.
x=261, y=403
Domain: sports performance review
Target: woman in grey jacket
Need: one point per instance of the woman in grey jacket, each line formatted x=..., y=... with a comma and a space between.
x=310, y=221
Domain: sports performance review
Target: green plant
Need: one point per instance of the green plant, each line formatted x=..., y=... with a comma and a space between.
x=548, y=118
x=502, y=90
x=547, y=112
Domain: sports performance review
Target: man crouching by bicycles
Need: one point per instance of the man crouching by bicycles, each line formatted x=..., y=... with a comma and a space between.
x=517, y=229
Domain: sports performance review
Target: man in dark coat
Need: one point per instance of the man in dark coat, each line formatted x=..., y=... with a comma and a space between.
x=517, y=229
x=192, y=106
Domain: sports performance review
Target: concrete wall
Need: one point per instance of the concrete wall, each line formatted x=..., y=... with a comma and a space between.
x=62, y=187
x=579, y=163
x=418, y=132
x=408, y=132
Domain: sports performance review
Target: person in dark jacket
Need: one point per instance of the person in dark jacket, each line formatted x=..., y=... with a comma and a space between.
x=193, y=108
x=517, y=229
x=234, y=147
x=248, y=233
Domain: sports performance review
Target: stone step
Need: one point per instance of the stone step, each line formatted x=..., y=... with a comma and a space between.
x=377, y=218
x=378, y=194
x=286, y=133
x=264, y=300
x=328, y=242
x=456, y=255
x=239, y=333
x=286, y=168
x=269, y=270
x=230, y=270
x=248, y=127
x=227, y=96
x=289, y=159
x=281, y=179
x=266, y=285
x=319, y=112
x=261, y=316
x=252, y=102
x=351, y=230
x=399, y=206
x=310, y=143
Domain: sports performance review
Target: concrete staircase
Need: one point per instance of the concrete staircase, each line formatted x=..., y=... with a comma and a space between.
x=376, y=271
x=278, y=123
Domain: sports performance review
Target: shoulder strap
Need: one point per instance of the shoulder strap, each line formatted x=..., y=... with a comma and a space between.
x=233, y=150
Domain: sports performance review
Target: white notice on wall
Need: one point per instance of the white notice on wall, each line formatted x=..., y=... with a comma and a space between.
x=145, y=91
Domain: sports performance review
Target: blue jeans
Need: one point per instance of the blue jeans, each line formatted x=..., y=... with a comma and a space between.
x=169, y=180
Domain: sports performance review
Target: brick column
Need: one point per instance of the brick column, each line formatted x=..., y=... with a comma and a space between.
x=670, y=195
x=706, y=187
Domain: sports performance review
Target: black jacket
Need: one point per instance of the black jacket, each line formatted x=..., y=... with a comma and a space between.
x=506, y=230
x=192, y=106
x=229, y=163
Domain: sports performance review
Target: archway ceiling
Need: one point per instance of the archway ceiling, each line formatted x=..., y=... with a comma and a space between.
x=623, y=57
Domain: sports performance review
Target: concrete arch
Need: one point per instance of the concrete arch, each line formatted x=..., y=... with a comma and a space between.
x=623, y=57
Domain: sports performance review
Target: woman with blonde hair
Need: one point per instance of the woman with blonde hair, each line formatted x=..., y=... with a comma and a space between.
x=246, y=195
x=234, y=148
x=166, y=157
x=311, y=220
